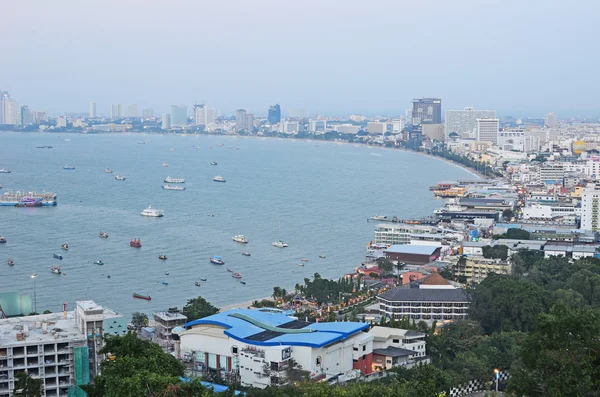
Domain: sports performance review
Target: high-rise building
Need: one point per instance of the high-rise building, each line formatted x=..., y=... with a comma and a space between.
x=148, y=113
x=487, y=130
x=132, y=111
x=2, y=94
x=166, y=121
x=274, y=116
x=298, y=113
x=200, y=115
x=465, y=121
x=250, y=122
x=317, y=125
x=178, y=115
x=210, y=115
x=376, y=127
x=117, y=111
x=427, y=111
x=26, y=115
x=240, y=120
x=550, y=120
x=590, y=208
x=92, y=110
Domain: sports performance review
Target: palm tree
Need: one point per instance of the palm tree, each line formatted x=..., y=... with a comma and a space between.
x=276, y=293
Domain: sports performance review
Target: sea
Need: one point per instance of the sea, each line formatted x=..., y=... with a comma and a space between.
x=316, y=196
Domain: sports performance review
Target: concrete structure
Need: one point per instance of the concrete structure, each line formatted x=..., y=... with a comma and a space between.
x=465, y=121
x=290, y=127
x=254, y=347
x=590, y=208
x=178, y=115
x=274, y=115
x=401, y=233
x=487, y=130
x=132, y=111
x=92, y=110
x=250, y=122
x=376, y=127
x=412, y=254
x=199, y=115
x=347, y=129
x=317, y=125
x=240, y=120
x=116, y=111
x=165, y=121
x=26, y=115
x=165, y=323
x=435, y=132
x=394, y=347
x=427, y=111
x=477, y=268
x=550, y=120
x=148, y=113
x=10, y=112
x=61, y=349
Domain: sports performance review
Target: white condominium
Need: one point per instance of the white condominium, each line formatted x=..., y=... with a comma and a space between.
x=487, y=130
x=590, y=204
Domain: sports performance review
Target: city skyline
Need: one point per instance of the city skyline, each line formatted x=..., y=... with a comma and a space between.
x=58, y=72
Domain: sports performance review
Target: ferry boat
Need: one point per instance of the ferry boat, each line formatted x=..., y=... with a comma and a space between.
x=217, y=260
x=10, y=262
x=135, y=242
x=140, y=296
x=246, y=253
x=165, y=164
x=108, y=170
x=65, y=246
x=68, y=167
x=103, y=235
x=236, y=275
x=162, y=257
x=2, y=240
x=279, y=244
x=213, y=163
x=219, y=178
x=173, y=187
x=55, y=269
x=4, y=171
x=174, y=180
x=120, y=177
x=59, y=257
x=153, y=212
x=98, y=262
x=28, y=199
x=240, y=239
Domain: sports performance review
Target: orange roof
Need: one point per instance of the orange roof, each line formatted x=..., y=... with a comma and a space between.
x=435, y=279
x=411, y=276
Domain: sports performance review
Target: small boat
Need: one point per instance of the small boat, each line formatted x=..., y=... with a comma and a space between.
x=55, y=269
x=68, y=167
x=216, y=260
x=300, y=264
x=174, y=180
x=279, y=244
x=135, y=242
x=4, y=171
x=202, y=278
x=165, y=283
x=236, y=275
x=98, y=262
x=166, y=273
x=108, y=276
x=103, y=235
x=213, y=163
x=162, y=256
x=3, y=240
x=120, y=177
x=322, y=256
x=140, y=296
x=243, y=282
x=59, y=257
x=246, y=253
x=303, y=260
x=67, y=140
x=197, y=283
x=173, y=187
x=108, y=170
x=229, y=270
x=165, y=164
x=379, y=218
x=152, y=212
x=10, y=262
x=219, y=178
x=240, y=239
x=65, y=246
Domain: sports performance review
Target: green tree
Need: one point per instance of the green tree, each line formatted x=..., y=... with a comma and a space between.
x=385, y=265
x=139, y=320
x=26, y=386
x=198, y=308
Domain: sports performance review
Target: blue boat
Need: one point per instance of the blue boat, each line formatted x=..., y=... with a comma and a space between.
x=58, y=257
x=68, y=167
x=216, y=260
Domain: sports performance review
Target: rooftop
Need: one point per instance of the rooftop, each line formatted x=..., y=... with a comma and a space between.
x=387, y=332
x=167, y=316
x=403, y=294
x=394, y=352
x=412, y=249
x=31, y=326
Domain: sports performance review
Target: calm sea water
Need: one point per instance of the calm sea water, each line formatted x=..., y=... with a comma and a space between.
x=315, y=196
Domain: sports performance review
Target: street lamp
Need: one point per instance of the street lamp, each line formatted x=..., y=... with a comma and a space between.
x=497, y=372
x=33, y=276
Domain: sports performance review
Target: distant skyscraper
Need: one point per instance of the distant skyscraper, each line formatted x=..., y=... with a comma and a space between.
x=200, y=115
x=427, y=111
x=465, y=121
x=26, y=115
x=274, y=114
x=92, y=110
x=550, y=120
x=240, y=120
x=116, y=111
x=298, y=113
x=148, y=113
x=487, y=130
x=4, y=106
x=178, y=115
x=210, y=115
x=132, y=111
x=166, y=121
x=250, y=122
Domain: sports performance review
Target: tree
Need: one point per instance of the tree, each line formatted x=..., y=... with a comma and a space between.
x=385, y=265
x=26, y=386
x=508, y=214
x=198, y=308
x=139, y=320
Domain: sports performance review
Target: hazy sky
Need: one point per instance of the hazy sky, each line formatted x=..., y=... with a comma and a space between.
x=520, y=57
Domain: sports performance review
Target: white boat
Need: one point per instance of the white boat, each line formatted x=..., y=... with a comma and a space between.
x=279, y=244
x=213, y=163
x=173, y=187
x=219, y=178
x=165, y=164
x=379, y=218
x=4, y=171
x=108, y=170
x=152, y=212
x=240, y=239
x=120, y=177
x=55, y=269
x=174, y=180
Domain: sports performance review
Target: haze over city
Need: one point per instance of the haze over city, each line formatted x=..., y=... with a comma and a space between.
x=520, y=58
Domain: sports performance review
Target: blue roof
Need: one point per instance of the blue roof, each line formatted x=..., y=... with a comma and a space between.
x=412, y=249
x=217, y=388
x=306, y=334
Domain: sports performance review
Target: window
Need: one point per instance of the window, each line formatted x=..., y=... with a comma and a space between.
x=318, y=361
x=355, y=349
x=234, y=349
x=364, y=357
x=354, y=360
x=395, y=340
x=364, y=347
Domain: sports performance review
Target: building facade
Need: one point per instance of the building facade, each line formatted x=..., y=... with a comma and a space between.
x=274, y=115
x=92, y=110
x=400, y=233
x=427, y=111
x=240, y=119
x=394, y=347
x=465, y=121
x=487, y=130
x=178, y=115
x=590, y=208
x=165, y=323
x=165, y=121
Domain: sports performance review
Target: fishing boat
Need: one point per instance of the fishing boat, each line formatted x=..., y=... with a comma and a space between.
x=108, y=170
x=213, y=163
x=68, y=167
x=140, y=296
x=216, y=260
x=98, y=262
x=3, y=240
x=322, y=256
x=174, y=180
x=246, y=253
x=202, y=278
x=10, y=262
x=240, y=239
x=219, y=178
x=120, y=177
x=152, y=212
x=59, y=257
x=65, y=246
x=165, y=164
x=197, y=283
x=173, y=187
x=279, y=244
x=55, y=269
x=4, y=171
x=236, y=275
x=162, y=256
x=103, y=235
x=135, y=242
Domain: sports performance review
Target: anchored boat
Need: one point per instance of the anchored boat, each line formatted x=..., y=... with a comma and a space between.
x=140, y=296
x=135, y=242
x=59, y=257
x=217, y=260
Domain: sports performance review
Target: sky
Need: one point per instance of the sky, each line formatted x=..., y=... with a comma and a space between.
x=521, y=58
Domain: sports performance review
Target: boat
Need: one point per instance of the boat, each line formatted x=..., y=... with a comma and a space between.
x=60, y=257
x=240, y=239
x=165, y=283
x=213, y=163
x=166, y=273
x=103, y=235
x=379, y=218
x=243, y=282
x=68, y=167
x=300, y=264
x=279, y=244
x=10, y=262
x=173, y=187
x=216, y=260
x=4, y=171
x=219, y=178
x=108, y=170
x=162, y=256
x=98, y=262
x=174, y=180
x=197, y=283
x=2, y=240
x=202, y=278
x=322, y=256
x=246, y=253
x=303, y=260
x=135, y=242
x=55, y=269
x=152, y=212
x=165, y=164
x=120, y=177
x=229, y=270
x=140, y=296
x=29, y=202
x=67, y=140
x=236, y=275
x=28, y=199
x=65, y=246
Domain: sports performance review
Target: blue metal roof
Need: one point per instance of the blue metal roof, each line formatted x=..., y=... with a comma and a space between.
x=240, y=329
x=217, y=388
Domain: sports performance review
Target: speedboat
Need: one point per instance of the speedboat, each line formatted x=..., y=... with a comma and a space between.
x=240, y=239
x=202, y=278
x=173, y=187
x=300, y=264
x=68, y=167
x=246, y=253
x=197, y=283
x=279, y=244
x=98, y=262
x=10, y=262
x=135, y=242
x=65, y=246
x=236, y=275
x=120, y=177
x=4, y=171
x=57, y=256
x=162, y=256
x=213, y=163
x=108, y=170
x=216, y=260
x=55, y=269
x=103, y=235
x=165, y=164
x=219, y=178
x=153, y=212
x=174, y=180
x=2, y=240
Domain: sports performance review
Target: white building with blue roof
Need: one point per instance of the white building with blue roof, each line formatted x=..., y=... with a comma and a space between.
x=255, y=346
